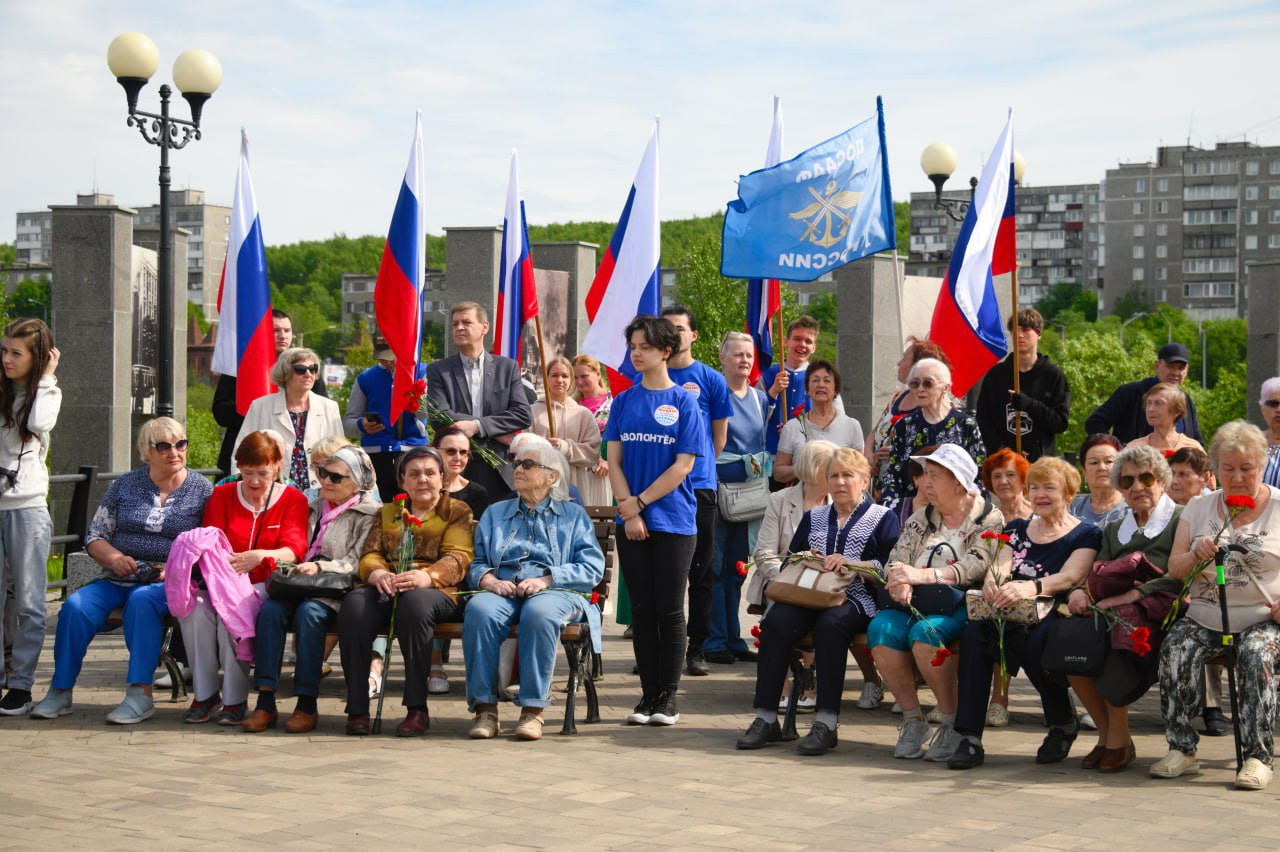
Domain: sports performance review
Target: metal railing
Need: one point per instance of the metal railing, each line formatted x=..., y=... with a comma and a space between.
x=78, y=512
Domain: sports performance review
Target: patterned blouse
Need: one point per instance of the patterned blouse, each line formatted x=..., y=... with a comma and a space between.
x=442, y=546
x=868, y=535
x=132, y=519
x=913, y=432
x=1271, y=473
x=298, y=473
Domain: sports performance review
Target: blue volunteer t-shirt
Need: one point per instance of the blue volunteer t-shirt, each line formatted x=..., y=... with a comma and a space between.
x=794, y=394
x=654, y=427
x=711, y=391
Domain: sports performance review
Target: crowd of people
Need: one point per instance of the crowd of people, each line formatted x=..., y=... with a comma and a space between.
x=955, y=547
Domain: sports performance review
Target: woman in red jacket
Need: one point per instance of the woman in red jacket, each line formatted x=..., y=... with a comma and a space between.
x=262, y=518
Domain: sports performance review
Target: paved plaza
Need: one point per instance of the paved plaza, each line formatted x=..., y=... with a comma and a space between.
x=76, y=782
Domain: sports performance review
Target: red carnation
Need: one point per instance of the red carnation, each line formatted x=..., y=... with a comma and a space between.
x=268, y=562
x=742, y=569
x=1240, y=501
x=988, y=535
x=594, y=599
x=1141, y=637
x=756, y=643
x=1005, y=538
x=1168, y=454
x=401, y=497
x=755, y=631
x=939, y=657
x=797, y=411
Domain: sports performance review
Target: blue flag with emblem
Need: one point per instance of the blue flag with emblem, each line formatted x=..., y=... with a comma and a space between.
x=821, y=209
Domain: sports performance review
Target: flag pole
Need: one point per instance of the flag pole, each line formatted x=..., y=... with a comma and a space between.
x=782, y=360
x=546, y=383
x=1017, y=378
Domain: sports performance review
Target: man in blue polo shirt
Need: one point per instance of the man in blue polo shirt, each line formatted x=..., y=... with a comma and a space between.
x=368, y=415
x=711, y=391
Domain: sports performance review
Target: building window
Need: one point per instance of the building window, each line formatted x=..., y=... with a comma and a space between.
x=1162, y=273
x=1139, y=274
x=1139, y=230
x=1251, y=167
x=1274, y=217
x=1139, y=252
x=1209, y=290
x=1162, y=230
x=1162, y=250
x=1273, y=191
x=1251, y=217
x=1162, y=185
x=1273, y=241
x=1162, y=207
x=1140, y=185
x=1275, y=167
x=1139, y=208
x=1250, y=193
x=1251, y=242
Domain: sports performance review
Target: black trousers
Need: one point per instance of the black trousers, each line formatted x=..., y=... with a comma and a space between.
x=363, y=616
x=702, y=568
x=656, y=571
x=833, y=629
x=975, y=674
x=384, y=470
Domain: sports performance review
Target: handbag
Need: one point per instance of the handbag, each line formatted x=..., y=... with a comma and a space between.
x=1076, y=645
x=741, y=502
x=928, y=598
x=284, y=584
x=803, y=583
x=1117, y=576
x=1026, y=611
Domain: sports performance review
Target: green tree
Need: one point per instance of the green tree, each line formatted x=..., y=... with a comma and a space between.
x=1129, y=304
x=8, y=254
x=1226, y=400
x=30, y=299
x=1065, y=297
x=1096, y=362
x=902, y=223
x=719, y=304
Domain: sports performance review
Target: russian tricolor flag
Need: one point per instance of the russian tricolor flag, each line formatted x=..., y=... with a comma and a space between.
x=626, y=284
x=764, y=297
x=245, y=347
x=517, y=295
x=966, y=318
x=397, y=295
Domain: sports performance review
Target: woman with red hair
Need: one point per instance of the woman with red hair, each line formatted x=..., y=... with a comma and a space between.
x=1004, y=474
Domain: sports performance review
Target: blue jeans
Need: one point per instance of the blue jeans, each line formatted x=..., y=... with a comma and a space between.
x=486, y=623
x=24, y=551
x=310, y=619
x=85, y=613
x=726, y=587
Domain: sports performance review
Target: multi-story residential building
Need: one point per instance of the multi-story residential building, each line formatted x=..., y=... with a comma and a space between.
x=210, y=227
x=357, y=299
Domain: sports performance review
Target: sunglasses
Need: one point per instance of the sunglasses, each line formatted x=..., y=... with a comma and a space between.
x=166, y=446
x=454, y=451
x=1271, y=403
x=333, y=476
x=1147, y=478
x=922, y=383
x=529, y=464
x=303, y=369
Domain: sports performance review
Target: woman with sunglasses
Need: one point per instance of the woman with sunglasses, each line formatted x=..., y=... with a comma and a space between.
x=130, y=536
x=455, y=449
x=935, y=420
x=298, y=414
x=1269, y=405
x=340, y=519
x=425, y=591
x=1141, y=474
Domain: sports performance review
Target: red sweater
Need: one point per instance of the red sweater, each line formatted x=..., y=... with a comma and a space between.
x=282, y=524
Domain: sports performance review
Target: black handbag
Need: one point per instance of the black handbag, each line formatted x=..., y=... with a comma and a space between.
x=284, y=584
x=1076, y=645
x=928, y=598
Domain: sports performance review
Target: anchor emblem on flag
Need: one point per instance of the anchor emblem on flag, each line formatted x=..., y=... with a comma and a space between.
x=818, y=216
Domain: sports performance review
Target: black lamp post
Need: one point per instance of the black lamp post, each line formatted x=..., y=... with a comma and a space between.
x=133, y=58
x=939, y=162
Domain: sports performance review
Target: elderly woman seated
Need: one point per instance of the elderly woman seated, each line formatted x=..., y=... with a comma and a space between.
x=940, y=553
x=132, y=531
x=340, y=518
x=420, y=594
x=1131, y=592
x=851, y=529
x=1048, y=555
x=537, y=562
x=1250, y=512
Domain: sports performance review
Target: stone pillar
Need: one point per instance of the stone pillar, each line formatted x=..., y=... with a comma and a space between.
x=149, y=237
x=869, y=339
x=474, y=258
x=579, y=260
x=1264, y=332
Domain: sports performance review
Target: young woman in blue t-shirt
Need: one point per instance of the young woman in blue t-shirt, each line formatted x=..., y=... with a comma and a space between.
x=653, y=435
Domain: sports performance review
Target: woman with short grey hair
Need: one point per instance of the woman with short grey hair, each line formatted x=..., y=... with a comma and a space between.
x=1269, y=405
x=297, y=414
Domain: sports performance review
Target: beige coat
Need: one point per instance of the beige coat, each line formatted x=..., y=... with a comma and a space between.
x=344, y=538
x=576, y=426
x=781, y=519
x=271, y=413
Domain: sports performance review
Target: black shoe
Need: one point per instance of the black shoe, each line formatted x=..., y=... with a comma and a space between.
x=819, y=740
x=1215, y=724
x=16, y=702
x=968, y=754
x=695, y=663
x=664, y=709
x=724, y=657
x=643, y=712
x=746, y=656
x=760, y=734
x=1056, y=745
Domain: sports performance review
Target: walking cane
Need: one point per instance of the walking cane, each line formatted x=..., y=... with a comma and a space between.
x=1229, y=644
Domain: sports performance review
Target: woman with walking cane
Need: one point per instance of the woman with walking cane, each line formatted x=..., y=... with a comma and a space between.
x=407, y=593
x=1241, y=610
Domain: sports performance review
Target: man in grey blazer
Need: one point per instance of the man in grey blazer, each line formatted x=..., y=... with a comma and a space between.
x=482, y=393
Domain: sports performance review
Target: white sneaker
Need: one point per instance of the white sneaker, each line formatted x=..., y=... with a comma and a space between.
x=934, y=716
x=943, y=745
x=438, y=683
x=872, y=695
x=1086, y=721
x=896, y=708
x=997, y=715
x=807, y=704
x=56, y=703
x=136, y=707
x=1254, y=775
x=911, y=735
x=164, y=681
x=1177, y=763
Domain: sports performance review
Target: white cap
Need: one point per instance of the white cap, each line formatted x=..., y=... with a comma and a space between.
x=957, y=460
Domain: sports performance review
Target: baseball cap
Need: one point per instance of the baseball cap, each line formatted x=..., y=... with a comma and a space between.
x=382, y=351
x=955, y=459
x=1173, y=352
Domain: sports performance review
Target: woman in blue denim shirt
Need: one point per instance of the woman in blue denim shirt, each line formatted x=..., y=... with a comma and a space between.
x=536, y=560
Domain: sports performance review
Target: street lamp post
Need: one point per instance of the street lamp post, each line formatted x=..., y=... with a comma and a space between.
x=938, y=161
x=132, y=58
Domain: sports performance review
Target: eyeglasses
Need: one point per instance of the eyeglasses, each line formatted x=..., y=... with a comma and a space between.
x=1147, y=478
x=455, y=451
x=1271, y=403
x=303, y=369
x=922, y=383
x=166, y=446
x=529, y=464
x=333, y=476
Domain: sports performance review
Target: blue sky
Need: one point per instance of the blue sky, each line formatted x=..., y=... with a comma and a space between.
x=327, y=91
